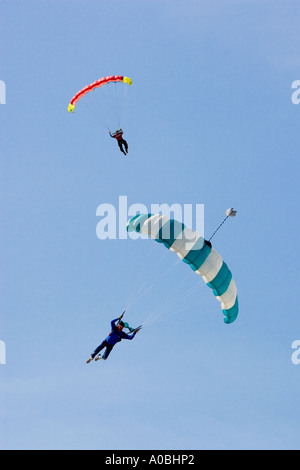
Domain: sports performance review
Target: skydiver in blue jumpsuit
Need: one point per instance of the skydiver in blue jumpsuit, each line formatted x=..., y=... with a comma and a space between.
x=116, y=335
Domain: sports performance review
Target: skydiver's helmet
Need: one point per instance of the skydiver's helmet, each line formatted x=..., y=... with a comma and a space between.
x=125, y=325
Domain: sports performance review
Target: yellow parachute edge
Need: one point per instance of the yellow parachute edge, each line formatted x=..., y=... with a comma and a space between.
x=71, y=108
x=127, y=80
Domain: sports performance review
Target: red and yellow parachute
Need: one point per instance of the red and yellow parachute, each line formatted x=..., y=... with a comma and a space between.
x=97, y=84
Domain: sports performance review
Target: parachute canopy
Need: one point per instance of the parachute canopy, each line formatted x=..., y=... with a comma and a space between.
x=97, y=84
x=192, y=249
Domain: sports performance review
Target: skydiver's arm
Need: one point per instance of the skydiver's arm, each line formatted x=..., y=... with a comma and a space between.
x=113, y=323
x=129, y=336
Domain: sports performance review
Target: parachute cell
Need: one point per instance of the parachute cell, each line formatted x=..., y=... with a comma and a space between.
x=192, y=249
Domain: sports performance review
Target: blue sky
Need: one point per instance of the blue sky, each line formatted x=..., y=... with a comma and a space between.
x=209, y=121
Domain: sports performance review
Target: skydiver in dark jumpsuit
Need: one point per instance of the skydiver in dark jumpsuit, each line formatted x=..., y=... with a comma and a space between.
x=121, y=142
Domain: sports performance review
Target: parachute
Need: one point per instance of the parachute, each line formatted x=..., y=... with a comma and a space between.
x=194, y=250
x=97, y=84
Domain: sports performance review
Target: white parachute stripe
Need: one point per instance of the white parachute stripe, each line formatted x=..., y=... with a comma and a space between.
x=153, y=225
x=211, y=266
x=229, y=297
x=185, y=242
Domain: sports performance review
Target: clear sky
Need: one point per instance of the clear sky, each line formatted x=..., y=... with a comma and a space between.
x=209, y=121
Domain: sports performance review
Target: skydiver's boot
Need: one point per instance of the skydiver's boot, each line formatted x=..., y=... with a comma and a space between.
x=89, y=360
x=98, y=357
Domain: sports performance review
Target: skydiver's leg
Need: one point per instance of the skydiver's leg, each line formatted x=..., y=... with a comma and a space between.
x=125, y=145
x=97, y=350
x=107, y=352
x=121, y=146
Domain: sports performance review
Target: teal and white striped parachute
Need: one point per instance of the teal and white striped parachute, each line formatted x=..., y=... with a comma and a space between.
x=195, y=251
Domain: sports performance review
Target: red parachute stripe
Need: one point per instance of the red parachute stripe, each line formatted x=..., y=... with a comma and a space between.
x=96, y=84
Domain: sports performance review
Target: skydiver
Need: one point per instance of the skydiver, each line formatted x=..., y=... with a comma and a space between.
x=116, y=335
x=119, y=136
